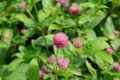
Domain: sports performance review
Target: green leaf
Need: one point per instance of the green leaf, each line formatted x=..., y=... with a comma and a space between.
x=1, y=78
x=90, y=34
x=19, y=73
x=91, y=69
x=75, y=70
x=109, y=29
x=14, y=64
x=42, y=15
x=47, y=4
x=115, y=43
x=105, y=56
x=33, y=70
x=41, y=41
x=23, y=18
x=3, y=45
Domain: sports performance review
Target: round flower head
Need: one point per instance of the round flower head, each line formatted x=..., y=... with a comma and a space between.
x=51, y=60
x=22, y=5
x=60, y=40
x=23, y=31
x=63, y=63
x=74, y=10
x=116, y=66
x=117, y=33
x=64, y=3
x=57, y=1
x=41, y=74
x=78, y=43
x=44, y=69
x=109, y=50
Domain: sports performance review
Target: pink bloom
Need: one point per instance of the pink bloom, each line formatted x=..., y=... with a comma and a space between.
x=74, y=10
x=23, y=31
x=109, y=50
x=63, y=63
x=22, y=5
x=60, y=40
x=116, y=66
x=64, y=3
x=78, y=43
x=117, y=33
x=57, y=1
x=41, y=74
x=44, y=69
x=51, y=60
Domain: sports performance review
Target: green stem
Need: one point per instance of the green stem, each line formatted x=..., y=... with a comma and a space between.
x=56, y=71
x=30, y=15
x=35, y=7
x=45, y=41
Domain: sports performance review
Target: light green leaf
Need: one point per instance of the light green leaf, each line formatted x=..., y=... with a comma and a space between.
x=47, y=4
x=42, y=15
x=106, y=57
x=33, y=70
x=91, y=69
x=23, y=18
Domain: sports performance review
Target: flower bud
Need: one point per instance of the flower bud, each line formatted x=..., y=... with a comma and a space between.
x=23, y=31
x=116, y=66
x=63, y=63
x=74, y=10
x=51, y=60
x=60, y=40
x=22, y=5
x=78, y=43
x=44, y=69
x=109, y=50
x=41, y=74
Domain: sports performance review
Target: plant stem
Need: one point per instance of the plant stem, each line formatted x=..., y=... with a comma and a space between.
x=45, y=41
x=56, y=71
x=30, y=15
x=35, y=7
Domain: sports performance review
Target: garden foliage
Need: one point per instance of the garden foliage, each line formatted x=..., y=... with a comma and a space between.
x=59, y=39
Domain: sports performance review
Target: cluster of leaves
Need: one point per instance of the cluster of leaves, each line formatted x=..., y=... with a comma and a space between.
x=22, y=55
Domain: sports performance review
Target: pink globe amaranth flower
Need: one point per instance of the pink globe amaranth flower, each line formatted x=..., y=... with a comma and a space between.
x=78, y=43
x=51, y=60
x=41, y=74
x=109, y=50
x=117, y=33
x=23, y=31
x=74, y=10
x=44, y=69
x=57, y=1
x=22, y=5
x=60, y=40
x=116, y=66
x=63, y=63
x=64, y=3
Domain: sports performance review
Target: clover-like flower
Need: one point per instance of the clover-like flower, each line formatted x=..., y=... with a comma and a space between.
x=109, y=50
x=116, y=66
x=23, y=31
x=51, y=60
x=22, y=5
x=74, y=10
x=63, y=63
x=41, y=74
x=78, y=43
x=44, y=69
x=60, y=40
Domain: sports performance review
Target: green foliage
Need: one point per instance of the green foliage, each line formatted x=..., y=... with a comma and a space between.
x=26, y=39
